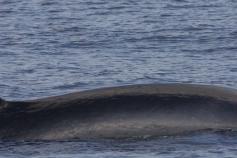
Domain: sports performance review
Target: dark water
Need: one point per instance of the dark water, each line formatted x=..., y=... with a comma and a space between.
x=55, y=47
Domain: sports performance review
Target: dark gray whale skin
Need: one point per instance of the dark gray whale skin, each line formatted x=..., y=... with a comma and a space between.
x=121, y=112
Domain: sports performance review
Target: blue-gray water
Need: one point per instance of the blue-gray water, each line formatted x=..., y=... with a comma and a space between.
x=55, y=47
x=195, y=146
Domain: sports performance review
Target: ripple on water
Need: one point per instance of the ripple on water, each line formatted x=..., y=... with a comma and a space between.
x=198, y=145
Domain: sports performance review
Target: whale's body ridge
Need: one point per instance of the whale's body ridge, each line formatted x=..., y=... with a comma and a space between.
x=121, y=112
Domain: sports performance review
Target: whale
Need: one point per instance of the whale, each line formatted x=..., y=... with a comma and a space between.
x=130, y=111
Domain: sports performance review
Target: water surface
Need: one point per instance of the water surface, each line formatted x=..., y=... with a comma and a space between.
x=195, y=146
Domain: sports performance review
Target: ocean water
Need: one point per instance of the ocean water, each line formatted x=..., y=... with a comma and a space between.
x=55, y=47
x=195, y=146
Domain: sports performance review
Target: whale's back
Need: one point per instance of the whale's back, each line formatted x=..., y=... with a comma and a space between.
x=121, y=112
